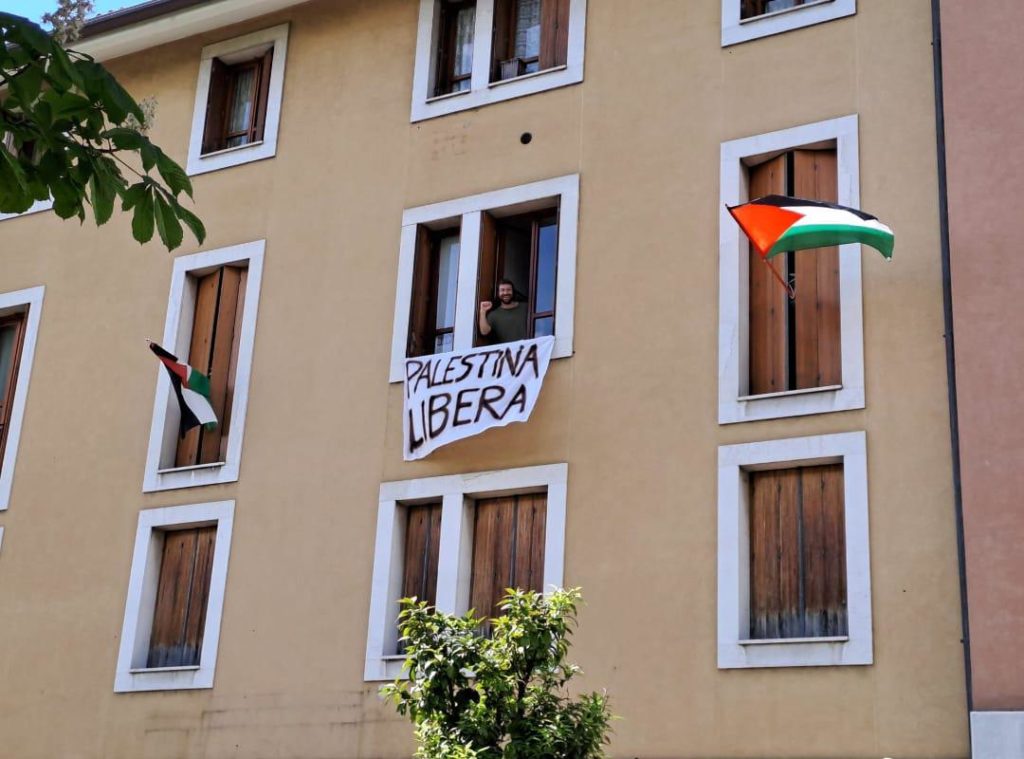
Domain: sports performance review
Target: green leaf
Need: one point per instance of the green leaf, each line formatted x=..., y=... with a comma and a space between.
x=193, y=223
x=133, y=196
x=167, y=224
x=67, y=199
x=103, y=191
x=142, y=219
x=150, y=153
x=173, y=174
x=26, y=33
x=28, y=84
x=61, y=71
x=124, y=138
x=119, y=103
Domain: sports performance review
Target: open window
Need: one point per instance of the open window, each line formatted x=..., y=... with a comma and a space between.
x=171, y=627
x=744, y=20
x=238, y=100
x=455, y=253
x=473, y=52
x=778, y=356
x=211, y=324
x=794, y=585
x=457, y=542
x=19, y=326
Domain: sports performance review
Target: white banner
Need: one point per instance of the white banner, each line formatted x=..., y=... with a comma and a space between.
x=453, y=396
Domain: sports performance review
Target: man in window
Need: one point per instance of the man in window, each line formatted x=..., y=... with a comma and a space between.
x=507, y=322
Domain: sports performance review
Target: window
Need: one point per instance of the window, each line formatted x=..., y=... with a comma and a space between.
x=744, y=20
x=780, y=357
x=211, y=324
x=794, y=343
x=238, y=101
x=459, y=541
x=454, y=254
x=171, y=628
x=19, y=326
x=794, y=585
x=473, y=52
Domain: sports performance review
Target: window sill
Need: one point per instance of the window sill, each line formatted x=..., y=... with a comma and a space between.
x=192, y=468
x=535, y=74
x=233, y=149
x=790, y=393
x=776, y=641
x=784, y=11
x=155, y=670
x=447, y=96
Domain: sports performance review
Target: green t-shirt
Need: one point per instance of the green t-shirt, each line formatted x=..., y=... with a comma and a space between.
x=507, y=324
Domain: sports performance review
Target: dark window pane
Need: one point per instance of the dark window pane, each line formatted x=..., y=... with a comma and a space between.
x=7, y=336
x=547, y=257
x=463, y=53
x=240, y=110
x=527, y=39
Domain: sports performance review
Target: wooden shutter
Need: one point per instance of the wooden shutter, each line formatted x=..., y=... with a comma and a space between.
x=420, y=323
x=14, y=325
x=554, y=33
x=508, y=549
x=212, y=350
x=486, y=281
x=216, y=106
x=768, y=299
x=263, y=94
x=797, y=553
x=504, y=28
x=422, y=543
x=183, y=591
x=816, y=316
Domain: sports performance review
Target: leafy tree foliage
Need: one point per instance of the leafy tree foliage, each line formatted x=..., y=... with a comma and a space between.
x=70, y=132
x=502, y=697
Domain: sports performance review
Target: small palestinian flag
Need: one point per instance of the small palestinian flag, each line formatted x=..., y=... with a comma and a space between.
x=192, y=389
x=777, y=223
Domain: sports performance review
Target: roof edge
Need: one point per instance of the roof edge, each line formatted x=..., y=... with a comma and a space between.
x=161, y=21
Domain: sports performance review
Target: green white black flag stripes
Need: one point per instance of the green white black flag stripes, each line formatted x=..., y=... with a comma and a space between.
x=777, y=223
x=192, y=389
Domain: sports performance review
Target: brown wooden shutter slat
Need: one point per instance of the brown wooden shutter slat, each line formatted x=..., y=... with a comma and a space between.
x=486, y=280
x=422, y=544
x=216, y=107
x=207, y=289
x=199, y=594
x=419, y=312
x=768, y=299
x=764, y=547
x=503, y=25
x=263, y=94
x=223, y=336
x=817, y=343
x=530, y=516
x=225, y=420
x=554, y=33
x=824, y=551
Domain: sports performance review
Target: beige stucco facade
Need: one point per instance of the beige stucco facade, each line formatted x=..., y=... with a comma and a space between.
x=633, y=412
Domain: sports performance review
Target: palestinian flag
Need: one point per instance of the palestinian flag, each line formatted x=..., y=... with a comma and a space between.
x=192, y=389
x=776, y=223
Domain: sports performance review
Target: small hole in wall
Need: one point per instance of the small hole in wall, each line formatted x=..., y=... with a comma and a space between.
x=526, y=138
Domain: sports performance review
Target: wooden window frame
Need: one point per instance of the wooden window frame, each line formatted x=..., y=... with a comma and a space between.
x=9, y=384
x=267, y=48
x=216, y=132
x=736, y=30
x=426, y=103
x=552, y=48
x=132, y=672
x=24, y=306
x=736, y=649
x=447, y=30
x=735, y=403
x=468, y=213
x=429, y=243
x=161, y=472
x=458, y=494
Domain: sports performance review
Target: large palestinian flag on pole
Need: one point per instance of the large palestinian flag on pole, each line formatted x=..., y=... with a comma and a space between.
x=777, y=223
x=192, y=389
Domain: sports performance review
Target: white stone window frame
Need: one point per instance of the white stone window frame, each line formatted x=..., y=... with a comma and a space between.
x=39, y=205
x=177, y=339
x=466, y=212
x=30, y=299
x=457, y=493
x=735, y=30
x=735, y=648
x=132, y=674
x=482, y=91
x=735, y=404
x=238, y=50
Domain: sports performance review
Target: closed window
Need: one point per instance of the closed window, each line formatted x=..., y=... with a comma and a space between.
x=797, y=553
x=752, y=8
x=12, y=336
x=216, y=329
x=455, y=46
x=508, y=549
x=236, y=111
x=419, y=557
x=795, y=342
x=182, y=595
x=745, y=20
x=529, y=36
x=435, y=281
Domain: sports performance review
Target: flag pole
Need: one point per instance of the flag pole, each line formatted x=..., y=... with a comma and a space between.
x=783, y=282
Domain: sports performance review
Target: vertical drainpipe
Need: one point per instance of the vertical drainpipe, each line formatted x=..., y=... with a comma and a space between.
x=947, y=314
